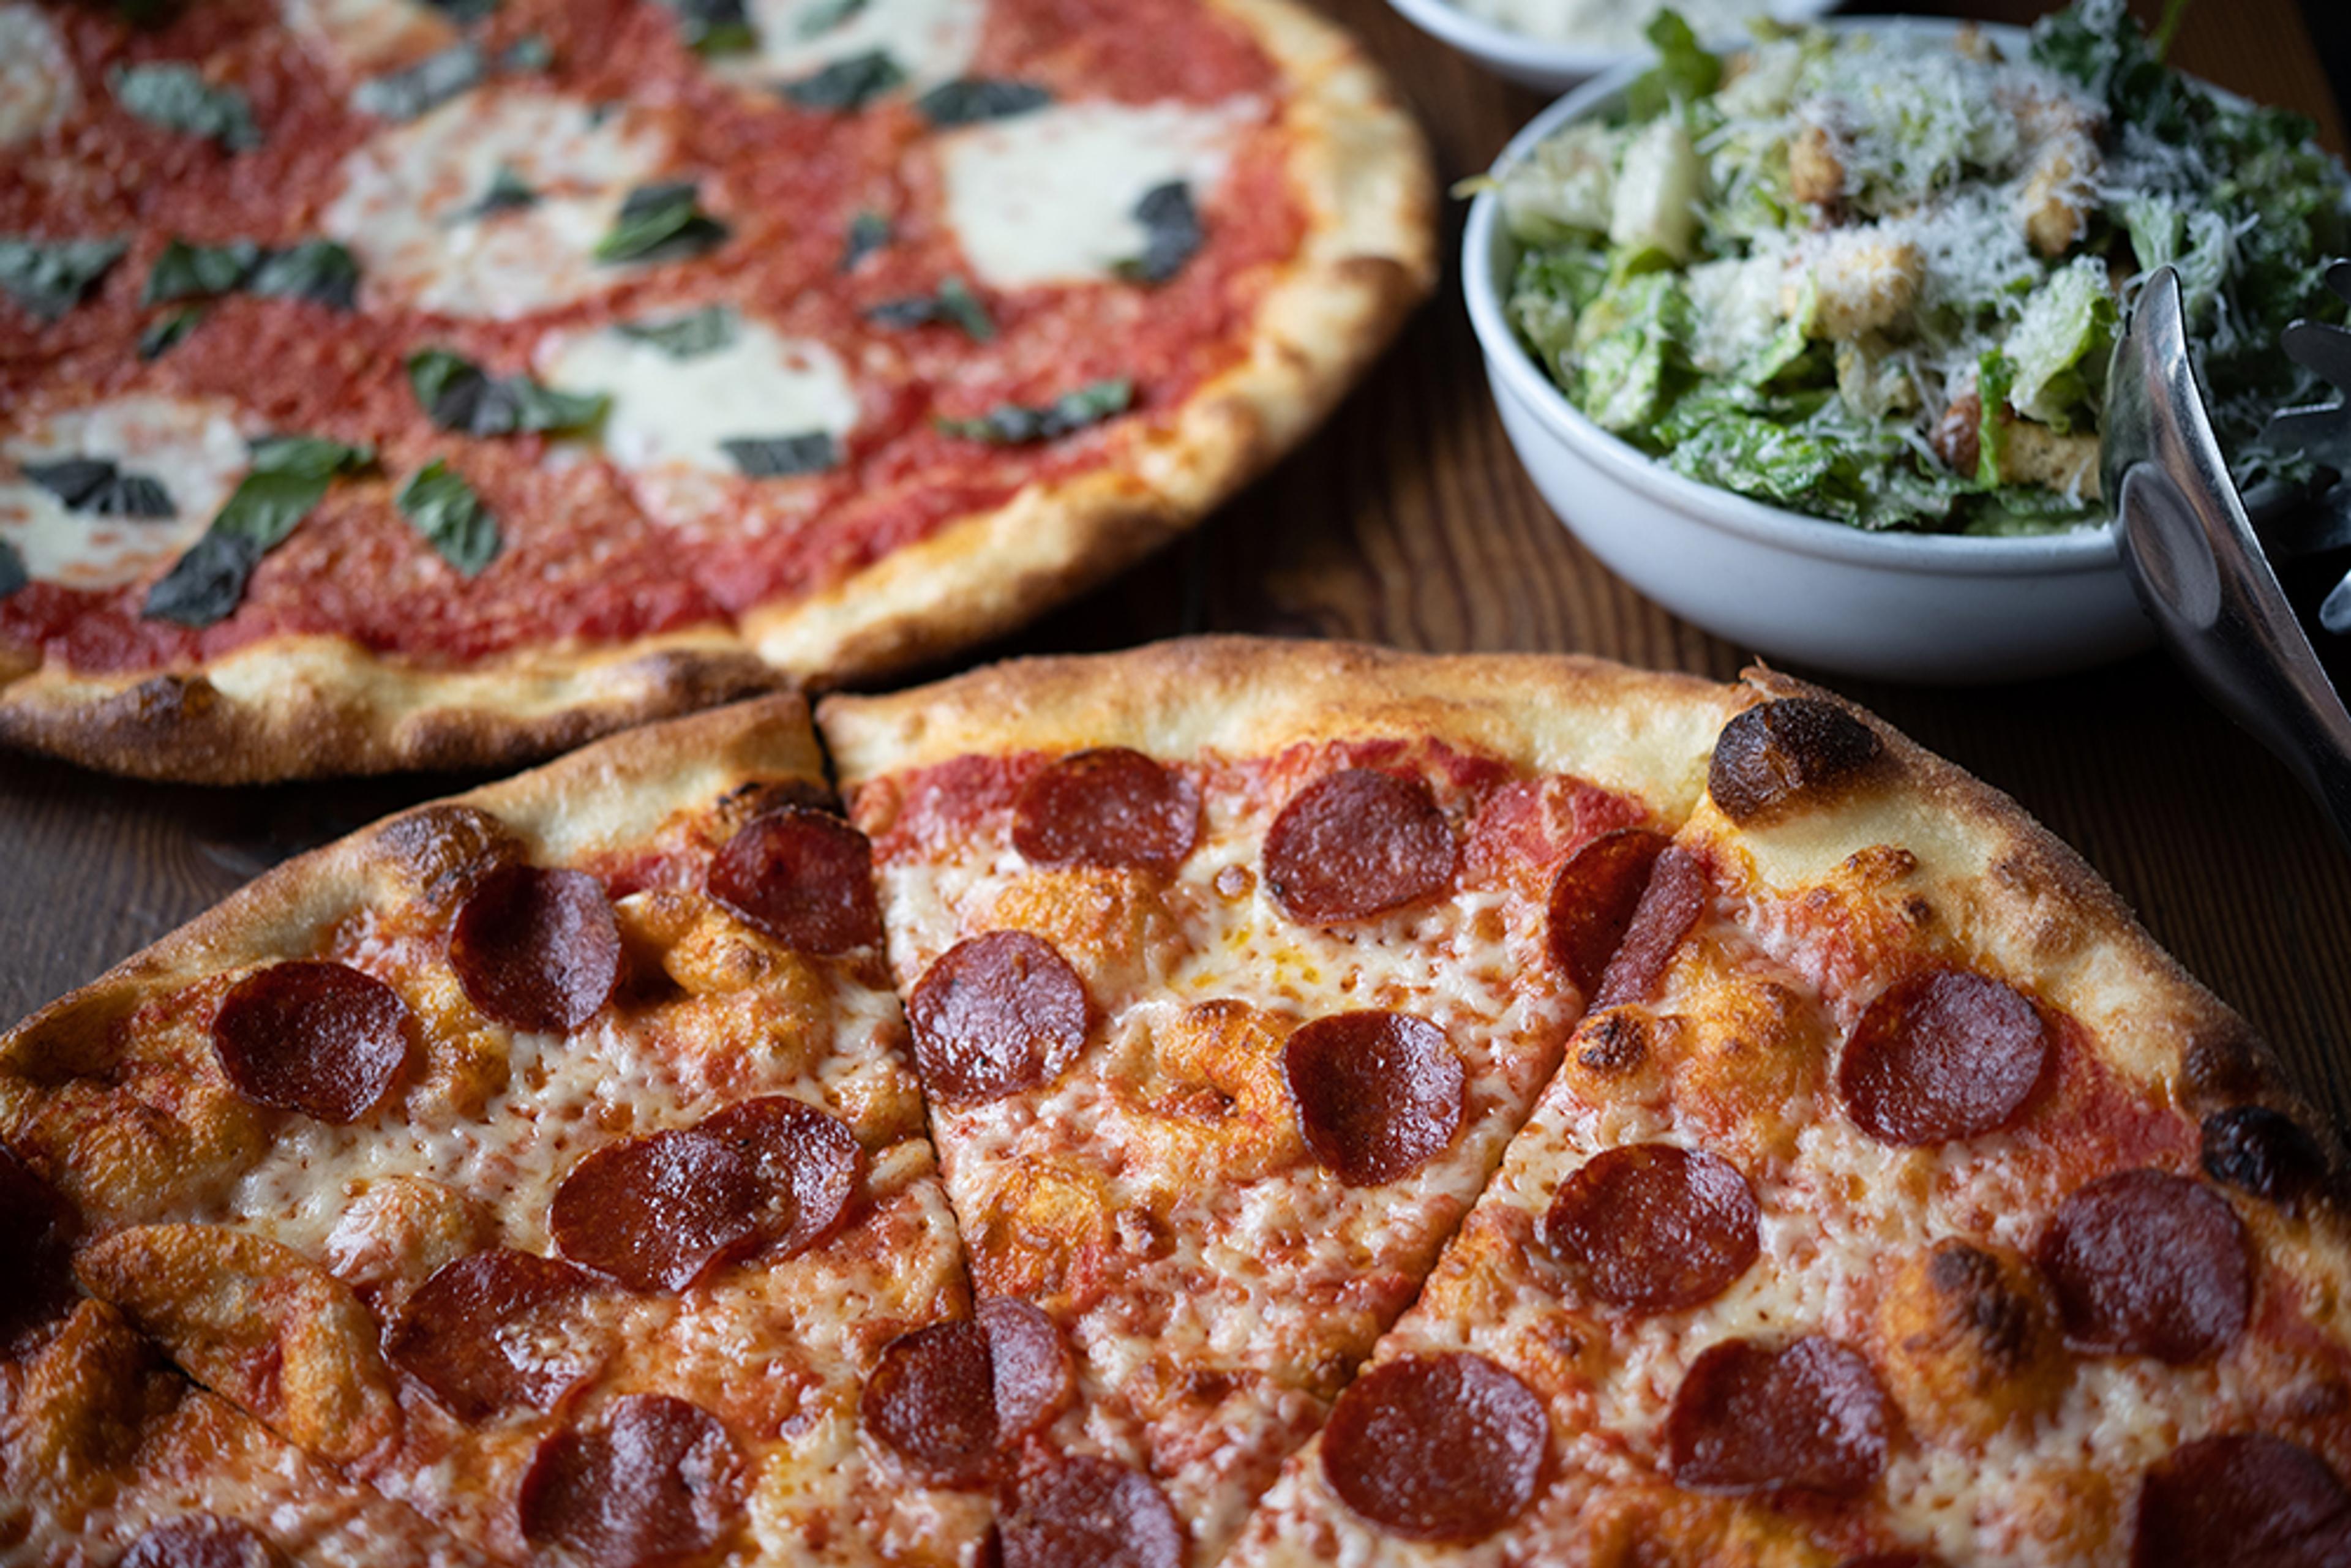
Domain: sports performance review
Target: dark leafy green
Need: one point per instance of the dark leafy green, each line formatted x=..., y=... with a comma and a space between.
x=690, y=336
x=714, y=26
x=459, y=395
x=846, y=84
x=1172, y=234
x=317, y=270
x=289, y=475
x=1018, y=424
x=868, y=232
x=826, y=15
x=967, y=100
x=509, y=193
x=780, y=457
x=176, y=96
x=184, y=271
x=465, y=13
x=955, y=305
x=440, y=505
x=49, y=278
x=97, y=486
x=661, y=223
x=13, y=575
x=432, y=81
x=531, y=52
x=164, y=334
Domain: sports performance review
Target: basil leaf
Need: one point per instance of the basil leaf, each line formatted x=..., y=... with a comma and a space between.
x=846, y=84
x=460, y=396
x=164, y=334
x=509, y=193
x=431, y=81
x=954, y=305
x=1172, y=234
x=967, y=100
x=714, y=26
x=780, y=457
x=48, y=277
x=185, y=271
x=176, y=96
x=317, y=270
x=205, y=584
x=312, y=456
x=531, y=52
x=289, y=477
x=465, y=13
x=661, y=223
x=868, y=232
x=687, y=337
x=97, y=486
x=442, y=507
x=1014, y=424
x=825, y=16
x=13, y=575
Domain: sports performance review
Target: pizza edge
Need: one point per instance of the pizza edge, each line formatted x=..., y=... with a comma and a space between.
x=312, y=705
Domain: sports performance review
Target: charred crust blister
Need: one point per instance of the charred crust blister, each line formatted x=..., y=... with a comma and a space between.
x=1797, y=752
x=443, y=850
x=2265, y=1154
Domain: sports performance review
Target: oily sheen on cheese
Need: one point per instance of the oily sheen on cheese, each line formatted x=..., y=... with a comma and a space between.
x=194, y=447
x=1050, y=197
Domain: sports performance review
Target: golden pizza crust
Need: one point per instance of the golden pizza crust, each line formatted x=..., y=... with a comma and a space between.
x=1636, y=730
x=309, y=705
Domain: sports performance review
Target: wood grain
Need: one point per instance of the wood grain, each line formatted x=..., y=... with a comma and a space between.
x=1408, y=521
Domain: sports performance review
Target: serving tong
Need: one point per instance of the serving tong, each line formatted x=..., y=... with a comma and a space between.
x=2191, y=549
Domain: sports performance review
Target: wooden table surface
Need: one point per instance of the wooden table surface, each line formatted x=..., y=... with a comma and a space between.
x=1407, y=521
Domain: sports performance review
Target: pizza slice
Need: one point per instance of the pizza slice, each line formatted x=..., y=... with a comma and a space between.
x=545, y=1159
x=1230, y=967
x=1898, y=1202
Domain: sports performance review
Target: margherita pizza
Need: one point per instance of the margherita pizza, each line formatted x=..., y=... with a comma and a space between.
x=387, y=383
x=1493, y=1109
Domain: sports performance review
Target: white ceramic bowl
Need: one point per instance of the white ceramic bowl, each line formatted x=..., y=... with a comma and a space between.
x=1543, y=63
x=1908, y=606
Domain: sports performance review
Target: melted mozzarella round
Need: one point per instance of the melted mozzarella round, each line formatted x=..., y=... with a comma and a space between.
x=406, y=207
x=931, y=41
x=1049, y=197
x=668, y=410
x=37, y=87
x=194, y=447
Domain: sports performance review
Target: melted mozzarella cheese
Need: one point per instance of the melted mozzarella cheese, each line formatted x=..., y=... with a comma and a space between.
x=194, y=447
x=366, y=36
x=406, y=206
x=671, y=411
x=1049, y=197
x=931, y=41
x=37, y=87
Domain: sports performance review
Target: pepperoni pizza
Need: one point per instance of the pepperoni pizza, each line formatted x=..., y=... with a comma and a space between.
x=414, y=383
x=1489, y=1110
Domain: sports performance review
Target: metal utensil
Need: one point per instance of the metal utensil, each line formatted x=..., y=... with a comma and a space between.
x=2323, y=431
x=2192, y=555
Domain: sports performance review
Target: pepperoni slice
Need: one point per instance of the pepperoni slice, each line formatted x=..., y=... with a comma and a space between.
x=1108, y=807
x=806, y=1162
x=658, y=1482
x=1779, y=755
x=1941, y=1055
x=2246, y=1500
x=1378, y=1093
x=1085, y=1512
x=2145, y=1263
x=659, y=1212
x=486, y=1333
x=804, y=877
x=202, y=1540
x=1654, y=1227
x=537, y=949
x=1594, y=897
x=2264, y=1153
x=997, y=1015
x=1669, y=906
x=36, y=1230
x=319, y=1038
x=1751, y=1418
x=1031, y=1366
x=1358, y=843
x=932, y=1397
x=1448, y=1447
